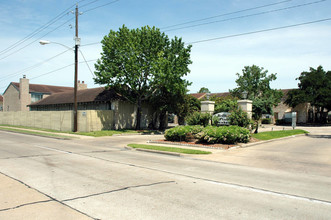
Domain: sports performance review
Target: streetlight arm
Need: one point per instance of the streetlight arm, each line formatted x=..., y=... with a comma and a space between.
x=44, y=42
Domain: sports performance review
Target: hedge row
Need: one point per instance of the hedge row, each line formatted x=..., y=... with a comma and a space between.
x=209, y=134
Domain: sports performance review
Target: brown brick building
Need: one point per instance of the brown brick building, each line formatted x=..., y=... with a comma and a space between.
x=19, y=95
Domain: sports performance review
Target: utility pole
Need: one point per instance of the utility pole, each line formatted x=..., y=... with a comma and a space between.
x=77, y=43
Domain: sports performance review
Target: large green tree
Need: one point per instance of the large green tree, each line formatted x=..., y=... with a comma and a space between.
x=143, y=65
x=255, y=81
x=314, y=88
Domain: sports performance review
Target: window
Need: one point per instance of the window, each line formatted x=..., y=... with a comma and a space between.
x=36, y=97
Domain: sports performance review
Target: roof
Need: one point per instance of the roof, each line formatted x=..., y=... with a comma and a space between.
x=38, y=88
x=225, y=94
x=86, y=95
x=198, y=95
x=202, y=95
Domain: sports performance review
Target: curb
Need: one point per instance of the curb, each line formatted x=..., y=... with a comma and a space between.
x=155, y=151
x=272, y=140
x=189, y=145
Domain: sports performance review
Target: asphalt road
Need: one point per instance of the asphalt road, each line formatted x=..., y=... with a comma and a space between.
x=99, y=179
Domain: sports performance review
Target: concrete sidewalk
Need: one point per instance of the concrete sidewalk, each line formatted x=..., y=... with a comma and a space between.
x=19, y=201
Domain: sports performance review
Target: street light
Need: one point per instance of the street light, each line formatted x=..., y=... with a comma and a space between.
x=244, y=94
x=44, y=42
x=77, y=43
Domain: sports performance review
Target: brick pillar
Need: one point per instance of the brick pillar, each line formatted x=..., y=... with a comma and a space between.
x=246, y=105
x=24, y=97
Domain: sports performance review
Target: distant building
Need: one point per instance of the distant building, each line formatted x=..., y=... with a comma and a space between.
x=18, y=96
x=281, y=111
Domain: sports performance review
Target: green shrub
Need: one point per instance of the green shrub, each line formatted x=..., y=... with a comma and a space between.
x=266, y=121
x=214, y=120
x=198, y=118
x=181, y=133
x=240, y=118
x=224, y=135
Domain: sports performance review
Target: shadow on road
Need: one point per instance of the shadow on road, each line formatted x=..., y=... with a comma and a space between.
x=320, y=136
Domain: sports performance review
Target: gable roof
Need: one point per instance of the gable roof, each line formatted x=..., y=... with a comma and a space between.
x=46, y=89
x=198, y=95
x=86, y=95
x=202, y=95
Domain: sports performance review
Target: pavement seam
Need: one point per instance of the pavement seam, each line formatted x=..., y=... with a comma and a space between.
x=26, y=204
x=117, y=190
x=51, y=198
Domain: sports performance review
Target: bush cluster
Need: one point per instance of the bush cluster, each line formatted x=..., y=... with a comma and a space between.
x=210, y=134
x=240, y=118
x=181, y=133
x=198, y=118
x=224, y=135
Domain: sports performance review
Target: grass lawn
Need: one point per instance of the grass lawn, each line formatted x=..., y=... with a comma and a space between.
x=169, y=149
x=268, y=135
x=35, y=133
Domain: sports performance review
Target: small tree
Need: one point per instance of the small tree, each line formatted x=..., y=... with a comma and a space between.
x=256, y=82
x=186, y=105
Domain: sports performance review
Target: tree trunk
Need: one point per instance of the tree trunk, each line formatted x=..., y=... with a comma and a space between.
x=163, y=120
x=257, y=127
x=181, y=120
x=138, y=114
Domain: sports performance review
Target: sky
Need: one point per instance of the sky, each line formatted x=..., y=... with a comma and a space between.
x=285, y=37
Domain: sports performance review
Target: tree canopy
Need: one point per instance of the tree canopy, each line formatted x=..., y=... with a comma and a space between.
x=143, y=65
x=204, y=90
x=314, y=88
x=256, y=82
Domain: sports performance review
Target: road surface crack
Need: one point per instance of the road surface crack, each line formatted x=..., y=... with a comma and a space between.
x=117, y=190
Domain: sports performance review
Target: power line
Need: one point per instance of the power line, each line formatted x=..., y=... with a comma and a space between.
x=32, y=67
x=230, y=13
x=90, y=44
x=246, y=16
x=38, y=30
x=36, y=40
x=260, y=31
x=82, y=6
x=61, y=68
x=81, y=52
x=91, y=9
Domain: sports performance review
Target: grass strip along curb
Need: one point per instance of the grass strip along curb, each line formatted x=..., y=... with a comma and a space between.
x=36, y=133
x=269, y=135
x=168, y=149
